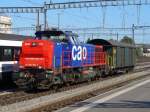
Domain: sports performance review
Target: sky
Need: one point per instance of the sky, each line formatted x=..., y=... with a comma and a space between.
x=109, y=17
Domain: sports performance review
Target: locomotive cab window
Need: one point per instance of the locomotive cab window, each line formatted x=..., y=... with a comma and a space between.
x=52, y=35
x=74, y=40
x=61, y=38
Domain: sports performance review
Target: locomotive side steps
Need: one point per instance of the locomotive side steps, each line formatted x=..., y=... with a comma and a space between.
x=62, y=96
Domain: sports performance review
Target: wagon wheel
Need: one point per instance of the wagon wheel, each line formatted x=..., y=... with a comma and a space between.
x=56, y=87
x=99, y=74
x=89, y=80
x=67, y=84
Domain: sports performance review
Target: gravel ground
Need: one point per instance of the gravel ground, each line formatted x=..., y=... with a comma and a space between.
x=143, y=59
x=70, y=94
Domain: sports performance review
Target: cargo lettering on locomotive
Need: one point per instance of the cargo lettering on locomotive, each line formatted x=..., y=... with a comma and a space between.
x=79, y=53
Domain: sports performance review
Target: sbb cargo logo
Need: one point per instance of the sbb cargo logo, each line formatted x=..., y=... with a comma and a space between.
x=79, y=53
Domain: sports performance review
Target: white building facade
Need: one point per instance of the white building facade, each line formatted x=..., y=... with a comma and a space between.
x=5, y=24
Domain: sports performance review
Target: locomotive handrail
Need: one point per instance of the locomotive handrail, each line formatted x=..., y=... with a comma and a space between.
x=94, y=59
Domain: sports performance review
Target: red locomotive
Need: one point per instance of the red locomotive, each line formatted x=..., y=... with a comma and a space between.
x=57, y=57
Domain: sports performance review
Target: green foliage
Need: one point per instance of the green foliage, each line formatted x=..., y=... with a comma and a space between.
x=127, y=40
x=88, y=40
x=138, y=52
x=112, y=40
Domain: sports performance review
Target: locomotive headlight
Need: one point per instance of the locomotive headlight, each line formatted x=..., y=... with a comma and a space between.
x=40, y=67
x=41, y=44
x=21, y=66
x=34, y=44
x=21, y=74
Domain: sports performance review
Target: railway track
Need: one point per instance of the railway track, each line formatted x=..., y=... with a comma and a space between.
x=143, y=63
x=60, y=105
x=19, y=96
x=74, y=94
x=6, y=92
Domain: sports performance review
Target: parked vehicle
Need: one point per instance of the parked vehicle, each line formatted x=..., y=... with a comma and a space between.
x=10, y=45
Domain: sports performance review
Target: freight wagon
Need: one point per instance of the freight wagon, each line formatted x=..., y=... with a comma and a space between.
x=120, y=56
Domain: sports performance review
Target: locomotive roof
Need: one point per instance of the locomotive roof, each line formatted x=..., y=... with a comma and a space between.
x=109, y=43
x=54, y=33
x=14, y=37
x=49, y=33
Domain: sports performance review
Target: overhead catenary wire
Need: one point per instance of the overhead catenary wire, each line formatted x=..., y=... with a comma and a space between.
x=68, y=5
x=81, y=18
x=90, y=2
x=31, y=2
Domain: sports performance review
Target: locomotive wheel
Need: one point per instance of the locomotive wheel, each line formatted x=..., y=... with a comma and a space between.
x=67, y=84
x=103, y=75
x=32, y=84
x=55, y=87
x=127, y=71
x=99, y=74
x=89, y=80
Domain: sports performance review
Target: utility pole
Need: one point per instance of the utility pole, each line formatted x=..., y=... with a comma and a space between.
x=45, y=19
x=45, y=16
x=92, y=36
x=58, y=20
x=38, y=27
x=117, y=37
x=133, y=29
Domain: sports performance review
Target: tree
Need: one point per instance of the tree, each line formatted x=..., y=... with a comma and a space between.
x=112, y=40
x=88, y=40
x=127, y=40
x=138, y=51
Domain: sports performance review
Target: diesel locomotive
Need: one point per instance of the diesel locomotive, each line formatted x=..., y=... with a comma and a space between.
x=56, y=57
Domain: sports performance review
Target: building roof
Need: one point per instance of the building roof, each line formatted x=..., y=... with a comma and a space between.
x=13, y=37
x=147, y=46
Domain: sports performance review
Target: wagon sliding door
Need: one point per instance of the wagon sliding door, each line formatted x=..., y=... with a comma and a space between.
x=118, y=57
x=122, y=57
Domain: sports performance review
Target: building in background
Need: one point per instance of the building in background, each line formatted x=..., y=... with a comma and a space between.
x=145, y=49
x=5, y=24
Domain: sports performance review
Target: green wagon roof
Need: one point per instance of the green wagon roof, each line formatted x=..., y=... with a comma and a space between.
x=109, y=43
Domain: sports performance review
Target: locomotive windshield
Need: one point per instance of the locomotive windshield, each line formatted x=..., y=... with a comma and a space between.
x=73, y=38
x=60, y=36
x=51, y=35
